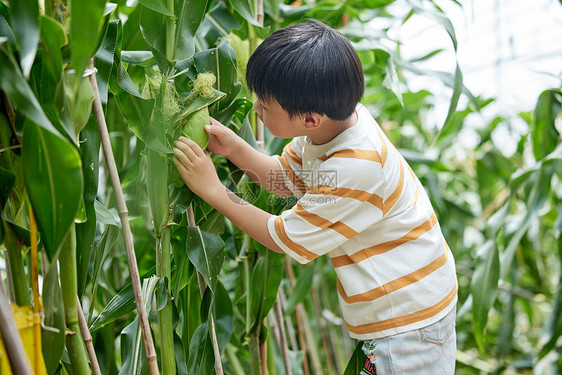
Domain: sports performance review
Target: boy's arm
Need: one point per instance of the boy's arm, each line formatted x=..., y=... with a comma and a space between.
x=198, y=172
x=261, y=168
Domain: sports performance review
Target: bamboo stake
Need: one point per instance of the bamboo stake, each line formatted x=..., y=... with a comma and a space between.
x=12, y=341
x=322, y=330
x=202, y=287
x=282, y=334
x=87, y=337
x=263, y=357
x=299, y=313
x=290, y=329
x=124, y=216
x=309, y=339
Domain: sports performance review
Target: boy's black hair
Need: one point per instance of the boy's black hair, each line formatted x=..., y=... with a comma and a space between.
x=306, y=68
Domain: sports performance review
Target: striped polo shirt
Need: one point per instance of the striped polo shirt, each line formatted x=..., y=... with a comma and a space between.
x=360, y=202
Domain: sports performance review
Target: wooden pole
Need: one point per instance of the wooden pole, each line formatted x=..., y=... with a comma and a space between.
x=87, y=337
x=124, y=216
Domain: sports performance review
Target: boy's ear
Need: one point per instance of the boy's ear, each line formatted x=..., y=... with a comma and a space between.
x=312, y=120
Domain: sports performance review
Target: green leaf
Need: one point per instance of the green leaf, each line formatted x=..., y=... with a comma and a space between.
x=544, y=133
x=53, y=326
x=25, y=23
x=553, y=329
x=266, y=278
x=105, y=216
x=246, y=9
x=189, y=17
x=222, y=313
x=6, y=31
x=78, y=98
x=85, y=26
x=205, y=251
x=153, y=29
x=457, y=90
x=201, y=357
x=52, y=173
x=157, y=6
x=101, y=251
x=356, y=362
x=220, y=60
x=183, y=270
x=120, y=305
x=302, y=287
x=15, y=85
x=86, y=232
x=103, y=60
x=441, y=19
x=53, y=38
x=484, y=288
x=132, y=348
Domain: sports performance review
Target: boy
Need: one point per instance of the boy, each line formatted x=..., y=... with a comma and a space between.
x=359, y=200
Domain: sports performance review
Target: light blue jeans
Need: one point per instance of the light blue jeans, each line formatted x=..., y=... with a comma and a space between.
x=430, y=350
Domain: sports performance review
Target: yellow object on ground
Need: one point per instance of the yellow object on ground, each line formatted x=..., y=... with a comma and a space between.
x=25, y=321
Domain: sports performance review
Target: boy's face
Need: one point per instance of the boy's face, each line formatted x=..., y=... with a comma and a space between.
x=277, y=120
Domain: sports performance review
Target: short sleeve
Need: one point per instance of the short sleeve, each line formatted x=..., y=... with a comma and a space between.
x=327, y=216
x=290, y=163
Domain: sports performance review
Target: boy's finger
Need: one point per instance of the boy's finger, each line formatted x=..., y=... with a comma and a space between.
x=194, y=147
x=181, y=169
x=182, y=157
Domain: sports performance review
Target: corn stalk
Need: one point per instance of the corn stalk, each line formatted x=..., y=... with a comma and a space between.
x=69, y=287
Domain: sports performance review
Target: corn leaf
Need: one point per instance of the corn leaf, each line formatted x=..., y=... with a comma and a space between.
x=25, y=23
x=53, y=179
x=221, y=61
x=86, y=232
x=120, y=305
x=484, y=289
x=85, y=26
x=302, y=287
x=246, y=9
x=132, y=348
x=205, y=251
x=544, y=134
x=189, y=16
x=52, y=332
x=14, y=84
x=201, y=357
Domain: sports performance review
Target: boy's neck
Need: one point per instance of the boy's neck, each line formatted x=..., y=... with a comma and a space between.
x=330, y=129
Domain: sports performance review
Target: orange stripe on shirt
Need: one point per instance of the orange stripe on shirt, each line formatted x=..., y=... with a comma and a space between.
x=353, y=153
x=396, y=284
x=393, y=198
x=320, y=222
x=384, y=150
x=300, y=250
x=404, y=320
x=360, y=195
x=293, y=155
x=361, y=255
x=291, y=175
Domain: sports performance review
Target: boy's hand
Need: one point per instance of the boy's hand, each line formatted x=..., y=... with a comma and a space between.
x=222, y=140
x=195, y=167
